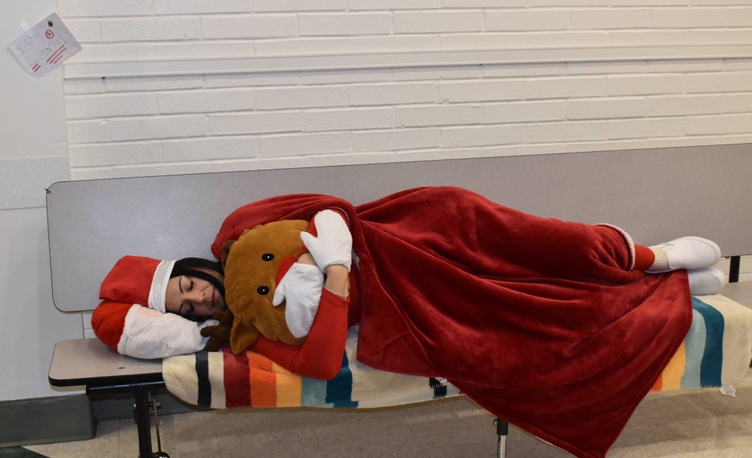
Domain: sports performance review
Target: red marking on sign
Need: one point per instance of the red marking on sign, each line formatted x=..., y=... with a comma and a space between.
x=54, y=54
x=36, y=67
x=60, y=56
x=49, y=34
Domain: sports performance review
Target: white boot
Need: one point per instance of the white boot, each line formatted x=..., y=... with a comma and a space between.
x=706, y=281
x=685, y=253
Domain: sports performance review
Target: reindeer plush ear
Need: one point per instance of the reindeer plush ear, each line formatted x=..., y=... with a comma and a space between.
x=242, y=336
x=225, y=251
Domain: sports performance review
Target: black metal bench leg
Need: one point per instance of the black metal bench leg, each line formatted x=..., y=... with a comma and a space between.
x=734, y=267
x=142, y=422
x=502, y=429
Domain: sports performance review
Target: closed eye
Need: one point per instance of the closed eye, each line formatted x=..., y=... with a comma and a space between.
x=180, y=284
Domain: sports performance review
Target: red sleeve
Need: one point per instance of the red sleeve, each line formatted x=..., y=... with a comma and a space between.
x=108, y=322
x=320, y=356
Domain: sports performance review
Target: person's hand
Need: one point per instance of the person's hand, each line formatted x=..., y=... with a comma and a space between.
x=219, y=334
x=300, y=289
x=333, y=243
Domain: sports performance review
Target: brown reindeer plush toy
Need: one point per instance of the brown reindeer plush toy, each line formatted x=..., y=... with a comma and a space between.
x=253, y=265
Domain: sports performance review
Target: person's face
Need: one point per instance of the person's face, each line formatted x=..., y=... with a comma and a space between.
x=188, y=295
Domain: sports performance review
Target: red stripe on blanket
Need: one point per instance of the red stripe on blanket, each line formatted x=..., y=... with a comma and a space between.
x=236, y=379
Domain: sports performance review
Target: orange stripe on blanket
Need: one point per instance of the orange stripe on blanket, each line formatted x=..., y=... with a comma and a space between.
x=258, y=361
x=658, y=384
x=289, y=390
x=263, y=381
x=670, y=378
x=271, y=385
x=263, y=388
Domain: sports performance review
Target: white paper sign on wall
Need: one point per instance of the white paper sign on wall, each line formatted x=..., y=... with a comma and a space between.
x=45, y=46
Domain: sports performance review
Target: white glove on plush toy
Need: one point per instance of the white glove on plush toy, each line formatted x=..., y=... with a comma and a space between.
x=333, y=244
x=301, y=289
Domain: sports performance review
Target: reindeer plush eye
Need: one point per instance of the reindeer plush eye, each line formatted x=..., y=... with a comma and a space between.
x=263, y=290
x=267, y=257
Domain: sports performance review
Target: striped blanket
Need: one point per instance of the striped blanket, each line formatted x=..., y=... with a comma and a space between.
x=716, y=350
x=715, y=353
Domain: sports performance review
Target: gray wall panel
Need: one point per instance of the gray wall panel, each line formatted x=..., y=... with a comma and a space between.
x=654, y=194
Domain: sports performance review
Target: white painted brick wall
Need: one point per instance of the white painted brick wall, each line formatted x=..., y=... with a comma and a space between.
x=350, y=119
x=550, y=88
x=305, y=144
x=393, y=43
x=114, y=154
x=242, y=26
x=740, y=17
x=206, y=101
x=606, y=108
x=345, y=24
x=202, y=6
x=396, y=139
x=720, y=82
x=438, y=115
x=88, y=132
x=209, y=149
x=555, y=19
x=297, y=5
x=524, y=112
x=85, y=86
x=254, y=123
x=690, y=18
x=680, y=105
x=479, y=91
x=645, y=84
x=453, y=137
x=723, y=124
x=295, y=47
x=567, y=131
x=301, y=97
x=94, y=106
x=393, y=94
x=145, y=128
x=611, y=18
x=141, y=84
x=85, y=31
x=483, y=41
x=94, y=8
x=200, y=123
x=642, y=128
x=151, y=29
x=438, y=22
x=737, y=103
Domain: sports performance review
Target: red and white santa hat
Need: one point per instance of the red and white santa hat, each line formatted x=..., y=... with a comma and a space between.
x=138, y=280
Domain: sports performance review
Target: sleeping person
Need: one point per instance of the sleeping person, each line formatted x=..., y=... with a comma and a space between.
x=558, y=327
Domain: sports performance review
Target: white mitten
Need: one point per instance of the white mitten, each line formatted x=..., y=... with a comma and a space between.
x=333, y=245
x=148, y=334
x=301, y=289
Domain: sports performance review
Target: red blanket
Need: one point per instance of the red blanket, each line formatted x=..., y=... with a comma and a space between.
x=538, y=320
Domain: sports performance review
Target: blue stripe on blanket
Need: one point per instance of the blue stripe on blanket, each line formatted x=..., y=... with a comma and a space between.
x=704, y=347
x=695, y=348
x=339, y=389
x=712, y=360
x=314, y=392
